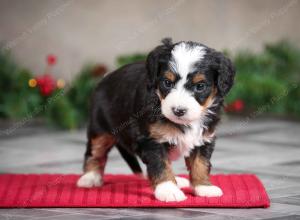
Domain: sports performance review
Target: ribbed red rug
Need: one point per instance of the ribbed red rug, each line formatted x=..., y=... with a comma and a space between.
x=56, y=190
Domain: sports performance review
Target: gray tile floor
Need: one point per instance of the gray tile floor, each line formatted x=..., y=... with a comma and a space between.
x=269, y=148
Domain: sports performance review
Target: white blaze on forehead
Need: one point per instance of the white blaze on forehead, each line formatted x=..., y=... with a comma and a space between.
x=184, y=57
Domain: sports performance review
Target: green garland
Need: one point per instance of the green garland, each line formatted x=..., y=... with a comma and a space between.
x=269, y=80
x=65, y=108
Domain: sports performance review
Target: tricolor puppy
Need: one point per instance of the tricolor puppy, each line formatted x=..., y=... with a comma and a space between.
x=159, y=110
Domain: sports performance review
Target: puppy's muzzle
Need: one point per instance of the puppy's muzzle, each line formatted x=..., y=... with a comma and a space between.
x=179, y=111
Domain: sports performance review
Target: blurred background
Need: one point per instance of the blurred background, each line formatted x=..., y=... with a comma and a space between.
x=53, y=53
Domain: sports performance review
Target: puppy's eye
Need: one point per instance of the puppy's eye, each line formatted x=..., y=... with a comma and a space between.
x=200, y=87
x=168, y=84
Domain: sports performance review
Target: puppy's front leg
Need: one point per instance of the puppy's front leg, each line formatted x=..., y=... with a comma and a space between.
x=198, y=164
x=154, y=155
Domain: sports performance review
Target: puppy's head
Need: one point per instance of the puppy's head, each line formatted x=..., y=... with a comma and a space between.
x=187, y=77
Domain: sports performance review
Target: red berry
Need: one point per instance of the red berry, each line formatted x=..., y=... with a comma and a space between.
x=46, y=84
x=51, y=59
x=239, y=105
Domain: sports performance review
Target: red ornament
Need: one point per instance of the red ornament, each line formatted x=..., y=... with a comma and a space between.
x=238, y=105
x=51, y=59
x=46, y=84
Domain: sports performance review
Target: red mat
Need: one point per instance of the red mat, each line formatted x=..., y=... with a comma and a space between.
x=49, y=190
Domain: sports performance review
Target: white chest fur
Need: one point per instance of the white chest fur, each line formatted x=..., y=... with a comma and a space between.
x=183, y=142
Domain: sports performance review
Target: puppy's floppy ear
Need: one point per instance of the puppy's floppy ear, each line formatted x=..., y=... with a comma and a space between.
x=154, y=58
x=225, y=73
x=152, y=65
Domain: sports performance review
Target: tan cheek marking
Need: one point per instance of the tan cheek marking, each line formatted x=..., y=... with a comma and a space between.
x=170, y=76
x=208, y=135
x=159, y=94
x=210, y=99
x=198, y=78
x=199, y=169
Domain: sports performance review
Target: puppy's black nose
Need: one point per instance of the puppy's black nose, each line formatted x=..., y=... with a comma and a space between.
x=179, y=111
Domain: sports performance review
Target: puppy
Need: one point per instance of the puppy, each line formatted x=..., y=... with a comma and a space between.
x=159, y=110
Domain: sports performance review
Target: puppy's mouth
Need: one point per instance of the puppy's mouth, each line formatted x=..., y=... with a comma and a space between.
x=180, y=120
x=176, y=123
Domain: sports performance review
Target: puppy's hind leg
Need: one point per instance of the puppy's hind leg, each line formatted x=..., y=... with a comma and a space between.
x=95, y=160
x=131, y=160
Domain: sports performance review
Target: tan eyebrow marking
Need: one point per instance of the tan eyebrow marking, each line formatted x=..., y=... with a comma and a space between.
x=170, y=76
x=198, y=78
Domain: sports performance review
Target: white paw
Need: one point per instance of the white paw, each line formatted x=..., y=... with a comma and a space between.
x=90, y=179
x=182, y=182
x=208, y=191
x=168, y=192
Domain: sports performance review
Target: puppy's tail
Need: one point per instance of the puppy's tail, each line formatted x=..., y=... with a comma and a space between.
x=131, y=160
